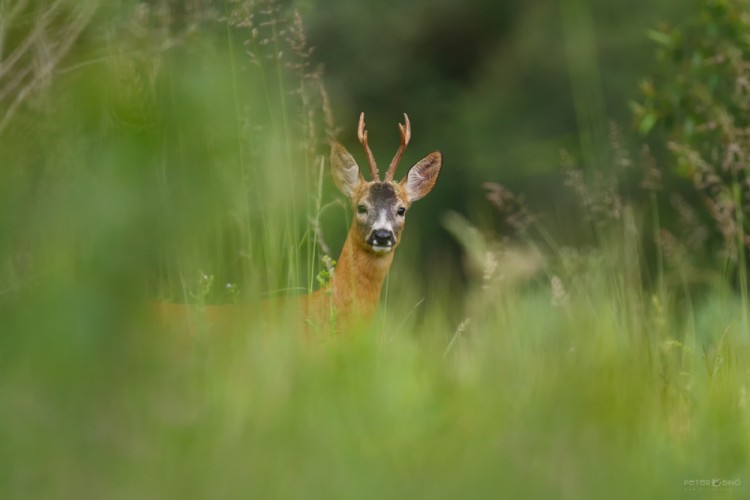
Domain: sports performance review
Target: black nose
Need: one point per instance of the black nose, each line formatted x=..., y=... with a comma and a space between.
x=382, y=237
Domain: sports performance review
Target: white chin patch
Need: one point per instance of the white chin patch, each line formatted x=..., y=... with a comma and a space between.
x=382, y=249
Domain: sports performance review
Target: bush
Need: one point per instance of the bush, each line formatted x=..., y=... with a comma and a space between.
x=698, y=103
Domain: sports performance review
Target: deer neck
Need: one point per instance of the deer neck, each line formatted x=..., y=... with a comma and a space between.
x=358, y=279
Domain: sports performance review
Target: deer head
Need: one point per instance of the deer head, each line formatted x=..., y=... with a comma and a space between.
x=380, y=206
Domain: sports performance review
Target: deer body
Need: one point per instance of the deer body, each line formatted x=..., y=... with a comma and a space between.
x=353, y=293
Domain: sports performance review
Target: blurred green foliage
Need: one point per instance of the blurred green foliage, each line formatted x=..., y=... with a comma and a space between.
x=697, y=103
x=176, y=150
x=499, y=87
x=489, y=82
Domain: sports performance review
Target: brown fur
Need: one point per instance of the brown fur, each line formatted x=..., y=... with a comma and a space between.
x=352, y=296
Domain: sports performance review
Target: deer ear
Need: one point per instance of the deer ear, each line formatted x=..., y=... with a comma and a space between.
x=344, y=169
x=422, y=176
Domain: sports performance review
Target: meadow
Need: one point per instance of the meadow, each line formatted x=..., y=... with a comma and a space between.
x=185, y=159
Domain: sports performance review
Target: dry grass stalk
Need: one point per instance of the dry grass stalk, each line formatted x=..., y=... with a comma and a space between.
x=29, y=66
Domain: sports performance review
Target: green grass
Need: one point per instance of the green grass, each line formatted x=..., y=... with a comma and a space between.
x=531, y=401
x=569, y=377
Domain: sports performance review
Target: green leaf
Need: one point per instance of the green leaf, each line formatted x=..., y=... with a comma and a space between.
x=647, y=123
x=660, y=37
x=689, y=127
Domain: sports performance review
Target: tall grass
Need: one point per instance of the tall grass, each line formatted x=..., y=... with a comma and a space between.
x=172, y=174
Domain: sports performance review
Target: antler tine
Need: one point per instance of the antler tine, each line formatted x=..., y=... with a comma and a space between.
x=362, y=134
x=405, y=130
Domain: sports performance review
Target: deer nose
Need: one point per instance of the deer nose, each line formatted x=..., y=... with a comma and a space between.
x=382, y=237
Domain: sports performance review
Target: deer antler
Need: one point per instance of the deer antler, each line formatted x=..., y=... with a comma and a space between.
x=362, y=134
x=405, y=130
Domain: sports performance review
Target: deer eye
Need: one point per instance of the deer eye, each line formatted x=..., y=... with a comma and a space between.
x=401, y=211
x=361, y=209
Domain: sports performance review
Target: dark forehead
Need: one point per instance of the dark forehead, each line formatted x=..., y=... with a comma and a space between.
x=382, y=192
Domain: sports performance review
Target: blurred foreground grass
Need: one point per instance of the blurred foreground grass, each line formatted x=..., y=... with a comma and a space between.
x=531, y=401
x=176, y=173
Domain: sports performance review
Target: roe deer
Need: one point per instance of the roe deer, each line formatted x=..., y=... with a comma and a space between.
x=351, y=296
